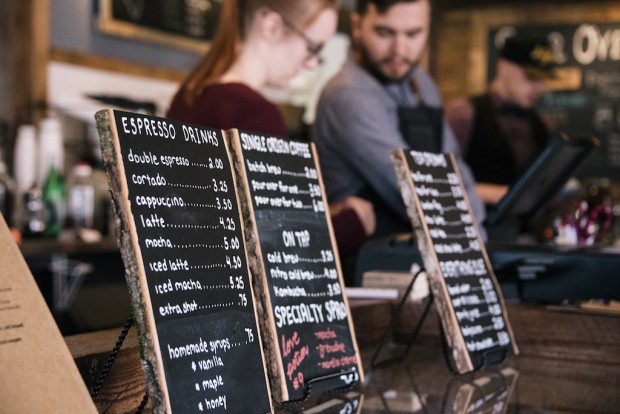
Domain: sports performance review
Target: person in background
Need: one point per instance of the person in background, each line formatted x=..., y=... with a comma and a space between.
x=264, y=43
x=500, y=132
x=383, y=100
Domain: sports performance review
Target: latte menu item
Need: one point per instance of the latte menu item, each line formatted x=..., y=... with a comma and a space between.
x=307, y=327
x=469, y=299
x=181, y=237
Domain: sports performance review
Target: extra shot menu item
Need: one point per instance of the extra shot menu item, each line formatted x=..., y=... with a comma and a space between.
x=183, y=246
x=462, y=280
x=307, y=327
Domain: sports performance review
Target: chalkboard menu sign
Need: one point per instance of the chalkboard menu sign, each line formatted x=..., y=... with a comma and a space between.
x=182, y=241
x=584, y=99
x=461, y=278
x=307, y=325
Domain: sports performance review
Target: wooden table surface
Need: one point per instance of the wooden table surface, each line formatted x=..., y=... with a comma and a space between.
x=569, y=362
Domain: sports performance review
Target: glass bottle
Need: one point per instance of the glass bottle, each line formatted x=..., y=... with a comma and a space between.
x=54, y=200
x=7, y=191
x=81, y=201
x=34, y=212
x=24, y=170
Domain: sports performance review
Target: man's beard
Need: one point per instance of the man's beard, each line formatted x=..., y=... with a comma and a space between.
x=374, y=67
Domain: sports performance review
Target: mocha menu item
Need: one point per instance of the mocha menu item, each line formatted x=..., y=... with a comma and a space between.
x=306, y=323
x=469, y=300
x=181, y=237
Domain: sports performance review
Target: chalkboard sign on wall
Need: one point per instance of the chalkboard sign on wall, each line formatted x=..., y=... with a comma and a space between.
x=584, y=101
x=469, y=300
x=189, y=24
x=182, y=241
x=306, y=326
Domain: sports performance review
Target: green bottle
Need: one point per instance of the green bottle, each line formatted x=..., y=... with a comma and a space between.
x=54, y=199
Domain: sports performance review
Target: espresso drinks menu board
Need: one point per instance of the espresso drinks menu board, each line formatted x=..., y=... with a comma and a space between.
x=469, y=300
x=307, y=328
x=182, y=241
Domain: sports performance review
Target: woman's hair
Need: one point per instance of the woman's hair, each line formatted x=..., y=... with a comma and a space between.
x=381, y=5
x=236, y=16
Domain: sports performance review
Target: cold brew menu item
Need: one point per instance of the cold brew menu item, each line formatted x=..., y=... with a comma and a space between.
x=307, y=326
x=183, y=246
x=462, y=280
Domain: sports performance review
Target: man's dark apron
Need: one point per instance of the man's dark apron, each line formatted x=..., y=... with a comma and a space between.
x=422, y=129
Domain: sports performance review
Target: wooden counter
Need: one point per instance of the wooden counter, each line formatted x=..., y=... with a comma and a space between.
x=569, y=362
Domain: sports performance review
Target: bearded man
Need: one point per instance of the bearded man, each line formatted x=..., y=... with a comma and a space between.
x=382, y=100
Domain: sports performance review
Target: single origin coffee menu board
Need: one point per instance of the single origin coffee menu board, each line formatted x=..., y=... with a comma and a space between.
x=181, y=238
x=468, y=296
x=37, y=371
x=306, y=324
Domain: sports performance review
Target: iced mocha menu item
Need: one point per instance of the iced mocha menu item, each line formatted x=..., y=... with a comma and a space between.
x=470, y=301
x=307, y=326
x=184, y=250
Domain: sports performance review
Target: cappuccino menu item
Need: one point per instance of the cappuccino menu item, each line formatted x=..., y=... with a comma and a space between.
x=462, y=281
x=307, y=328
x=181, y=237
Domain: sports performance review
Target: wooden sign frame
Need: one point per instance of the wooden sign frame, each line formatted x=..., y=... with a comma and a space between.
x=333, y=377
x=210, y=364
x=462, y=356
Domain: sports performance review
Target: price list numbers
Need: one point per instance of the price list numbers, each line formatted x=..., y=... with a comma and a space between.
x=312, y=325
x=181, y=193
x=459, y=252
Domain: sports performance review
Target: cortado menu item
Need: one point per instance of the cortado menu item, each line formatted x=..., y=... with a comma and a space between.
x=469, y=300
x=307, y=328
x=181, y=238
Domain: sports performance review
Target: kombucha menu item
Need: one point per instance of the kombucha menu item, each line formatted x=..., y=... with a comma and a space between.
x=462, y=280
x=307, y=326
x=182, y=241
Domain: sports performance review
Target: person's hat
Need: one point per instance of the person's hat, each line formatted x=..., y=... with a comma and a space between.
x=534, y=55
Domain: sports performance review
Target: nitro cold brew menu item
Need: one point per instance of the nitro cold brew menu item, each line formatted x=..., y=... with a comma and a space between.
x=469, y=299
x=182, y=242
x=308, y=328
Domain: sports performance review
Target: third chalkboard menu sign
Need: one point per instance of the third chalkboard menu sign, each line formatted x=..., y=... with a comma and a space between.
x=182, y=241
x=469, y=300
x=307, y=326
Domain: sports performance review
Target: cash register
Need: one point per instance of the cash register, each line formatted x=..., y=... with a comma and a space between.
x=526, y=272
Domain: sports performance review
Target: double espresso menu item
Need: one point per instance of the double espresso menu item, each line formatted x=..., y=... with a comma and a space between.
x=306, y=324
x=182, y=241
x=462, y=280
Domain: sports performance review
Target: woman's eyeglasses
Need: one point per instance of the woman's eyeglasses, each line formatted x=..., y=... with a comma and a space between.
x=313, y=48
